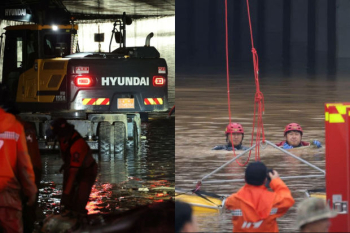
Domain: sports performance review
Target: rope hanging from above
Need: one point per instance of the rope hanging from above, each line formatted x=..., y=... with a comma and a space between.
x=259, y=106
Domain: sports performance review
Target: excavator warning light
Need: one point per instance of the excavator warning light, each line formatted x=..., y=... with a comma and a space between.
x=158, y=81
x=83, y=81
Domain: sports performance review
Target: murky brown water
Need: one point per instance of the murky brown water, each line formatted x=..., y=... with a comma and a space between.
x=202, y=116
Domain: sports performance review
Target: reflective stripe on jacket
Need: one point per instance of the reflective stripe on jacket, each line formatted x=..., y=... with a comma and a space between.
x=75, y=150
x=16, y=168
x=255, y=208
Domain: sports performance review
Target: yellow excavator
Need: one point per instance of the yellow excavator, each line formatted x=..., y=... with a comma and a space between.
x=103, y=94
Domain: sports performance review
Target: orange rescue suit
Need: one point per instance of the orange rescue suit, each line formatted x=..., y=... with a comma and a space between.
x=255, y=208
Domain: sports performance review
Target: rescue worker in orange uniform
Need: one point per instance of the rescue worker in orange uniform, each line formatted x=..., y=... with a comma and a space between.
x=29, y=212
x=294, y=133
x=80, y=168
x=237, y=132
x=16, y=173
x=254, y=208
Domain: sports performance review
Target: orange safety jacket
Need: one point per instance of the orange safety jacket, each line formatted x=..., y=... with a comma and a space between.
x=16, y=168
x=255, y=208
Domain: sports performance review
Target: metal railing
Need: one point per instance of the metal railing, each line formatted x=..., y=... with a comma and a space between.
x=249, y=149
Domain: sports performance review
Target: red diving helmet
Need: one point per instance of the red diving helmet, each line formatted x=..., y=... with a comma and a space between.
x=234, y=128
x=293, y=127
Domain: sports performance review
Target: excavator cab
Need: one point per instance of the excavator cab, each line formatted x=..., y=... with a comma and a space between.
x=32, y=51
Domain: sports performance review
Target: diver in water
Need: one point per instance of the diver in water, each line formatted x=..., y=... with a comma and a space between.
x=294, y=133
x=237, y=132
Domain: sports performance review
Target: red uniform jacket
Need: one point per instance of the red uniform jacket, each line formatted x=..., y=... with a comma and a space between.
x=74, y=155
x=255, y=209
x=302, y=143
x=16, y=168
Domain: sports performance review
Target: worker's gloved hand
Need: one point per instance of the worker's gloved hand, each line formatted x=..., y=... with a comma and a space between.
x=317, y=143
x=287, y=146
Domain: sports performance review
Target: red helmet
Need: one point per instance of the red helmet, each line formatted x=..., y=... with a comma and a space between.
x=293, y=127
x=234, y=128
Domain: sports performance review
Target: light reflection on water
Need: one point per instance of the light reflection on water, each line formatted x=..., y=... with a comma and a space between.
x=119, y=178
x=202, y=116
x=122, y=182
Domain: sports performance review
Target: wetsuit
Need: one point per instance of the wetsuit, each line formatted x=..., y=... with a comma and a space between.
x=229, y=148
x=80, y=171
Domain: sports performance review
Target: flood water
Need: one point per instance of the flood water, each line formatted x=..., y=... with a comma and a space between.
x=123, y=182
x=202, y=115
